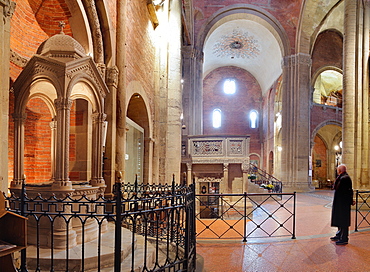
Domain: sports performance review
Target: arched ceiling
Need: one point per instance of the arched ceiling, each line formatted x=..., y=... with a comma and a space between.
x=246, y=44
x=316, y=16
x=329, y=134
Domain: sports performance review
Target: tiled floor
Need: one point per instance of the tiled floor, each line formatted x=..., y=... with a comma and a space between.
x=312, y=249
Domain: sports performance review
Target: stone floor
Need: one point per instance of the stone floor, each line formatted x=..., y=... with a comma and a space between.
x=312, y=249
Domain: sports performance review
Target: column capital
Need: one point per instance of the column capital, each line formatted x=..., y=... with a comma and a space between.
x=19, y=117
x=297, y=59
x=112, y=76
x=62, y=103
x=9, y=7
x=99, y=117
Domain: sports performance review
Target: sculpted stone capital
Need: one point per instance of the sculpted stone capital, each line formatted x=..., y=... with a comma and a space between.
x=62, y=103
x=298, y=59
x=9, y=8
x=19, y=117
x=112, y=76
x=99, y=117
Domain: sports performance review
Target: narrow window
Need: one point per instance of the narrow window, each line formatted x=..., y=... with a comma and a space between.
x=253, y=118
x=229, y=86
x=216, y=118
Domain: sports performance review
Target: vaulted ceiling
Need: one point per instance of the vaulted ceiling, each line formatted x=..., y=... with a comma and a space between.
x=246, y=44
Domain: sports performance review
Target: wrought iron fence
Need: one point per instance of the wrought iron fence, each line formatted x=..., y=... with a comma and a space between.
x=143, y=228
x=362, y=217
x=235, y=216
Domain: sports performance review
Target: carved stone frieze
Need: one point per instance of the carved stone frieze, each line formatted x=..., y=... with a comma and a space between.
x=17, y=59
x=87, y=69
x=218, y=147
x=96, y=30
x=209, y=179
x=220, y=160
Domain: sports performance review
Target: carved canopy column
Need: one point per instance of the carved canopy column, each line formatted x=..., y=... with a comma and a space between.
x=225, y=184
x=97, y=159
x=189, y=175
x=19, y=120
x=53, y=127
x=63, y=107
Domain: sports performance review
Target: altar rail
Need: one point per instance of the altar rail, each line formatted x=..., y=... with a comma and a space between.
x=245, y=216
x=362, y=218
x=87, y=235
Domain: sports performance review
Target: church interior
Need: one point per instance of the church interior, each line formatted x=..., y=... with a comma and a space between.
x=195, y=91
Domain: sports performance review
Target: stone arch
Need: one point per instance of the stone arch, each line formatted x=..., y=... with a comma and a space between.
x=83, y=88
x=313, y=17
x=256, y=155
x=246, y=11
x=326, y=135
x=138, y=111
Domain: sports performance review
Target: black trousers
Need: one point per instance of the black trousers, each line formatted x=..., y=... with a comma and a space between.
x=342, y=233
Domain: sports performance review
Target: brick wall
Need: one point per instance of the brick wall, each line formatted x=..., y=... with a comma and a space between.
x=235, y=108
x=320, y=114
x=319, y=156
x=37, y=152
x=32, y=23
x=140, y=47
x=328, y=50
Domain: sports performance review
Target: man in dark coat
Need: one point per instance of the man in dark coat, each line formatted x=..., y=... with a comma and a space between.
x=341, y=211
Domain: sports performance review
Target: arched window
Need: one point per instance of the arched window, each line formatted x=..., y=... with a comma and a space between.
x=253, y=119
x=216, y=118
x=328, y=88
x=229, y=86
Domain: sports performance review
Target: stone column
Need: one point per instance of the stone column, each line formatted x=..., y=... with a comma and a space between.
x=19, y=120
x=148, y=160
x=295, y=137
x=355, y=91
x=62, y=182
x=6, y=11
x=53, y=127
x=224, y=186
x=97, y=160
x=197, y=94
x=192, y=91
x=109, y=159
x=174, y=95
x=121, y=89
x=189, y=174
x=245, y=168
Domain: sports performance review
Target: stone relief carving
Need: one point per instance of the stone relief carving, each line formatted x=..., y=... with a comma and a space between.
x=112, y=76
x=209, y=147
x=17, y=59
x=96, y=32
x=9, y=7
x=210, y=179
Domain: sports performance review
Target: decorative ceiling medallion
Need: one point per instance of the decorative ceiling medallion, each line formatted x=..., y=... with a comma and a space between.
x=237, y=45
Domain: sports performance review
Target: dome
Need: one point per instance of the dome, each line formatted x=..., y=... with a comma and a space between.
x=61, y=46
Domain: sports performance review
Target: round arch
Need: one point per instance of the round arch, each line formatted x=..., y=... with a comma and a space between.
x=245, y=11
